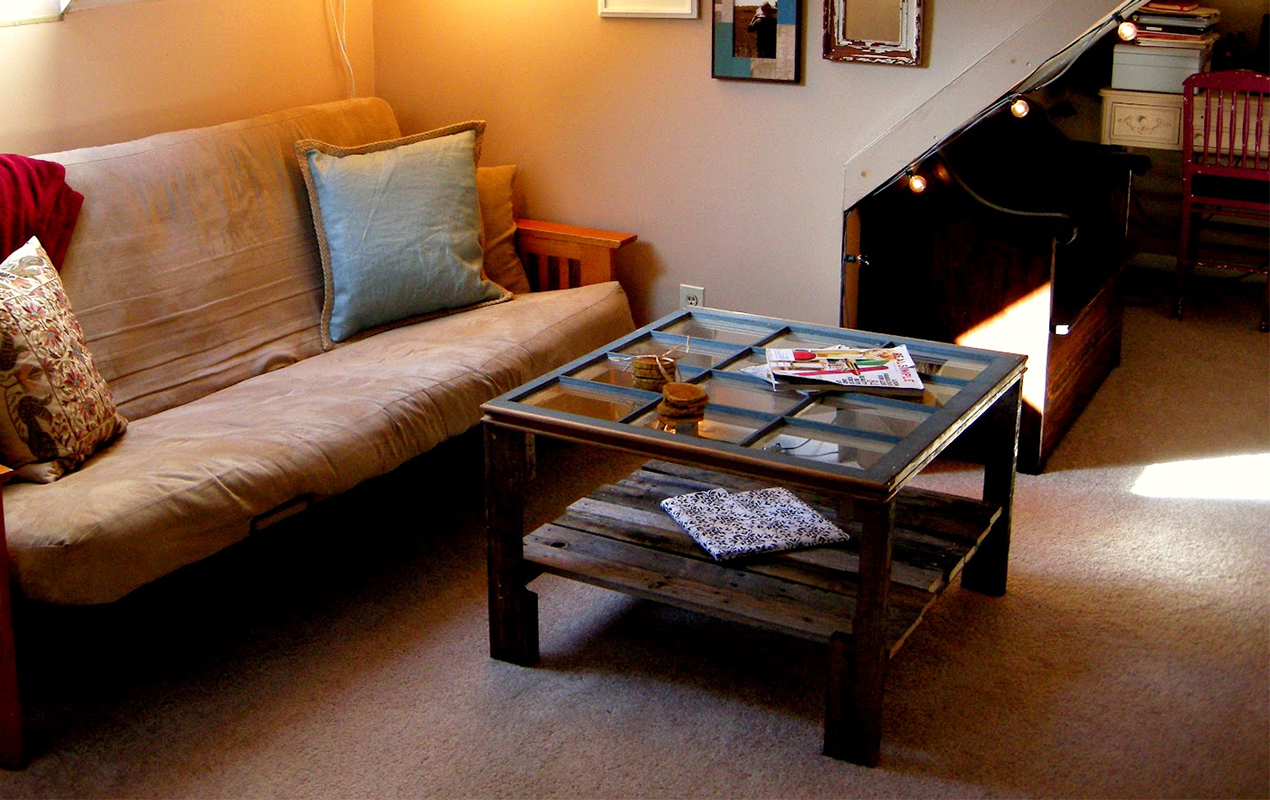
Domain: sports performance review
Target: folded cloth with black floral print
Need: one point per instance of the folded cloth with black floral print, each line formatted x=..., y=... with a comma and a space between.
x=765, y=520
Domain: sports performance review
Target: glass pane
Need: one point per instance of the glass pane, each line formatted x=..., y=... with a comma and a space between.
x=719, y=331
x=717, y=425
x=689, y=354
x=939, y=394
x=959, y=369
x=574, y=400
x=849, y=411
x=753, y=358
x=752, y=396
x=615, y=373
x=812, y=340
x=620, y=371
x=824, y=447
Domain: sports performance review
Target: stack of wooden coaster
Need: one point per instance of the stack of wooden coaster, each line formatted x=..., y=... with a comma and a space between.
x=682, y=402
x=653, y=372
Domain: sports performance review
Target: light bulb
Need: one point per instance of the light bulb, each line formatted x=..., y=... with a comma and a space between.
x=917, y=183
x=1020, y=107
x=1127, y=31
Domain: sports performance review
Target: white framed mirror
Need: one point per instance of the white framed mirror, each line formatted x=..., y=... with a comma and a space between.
x=877, y=31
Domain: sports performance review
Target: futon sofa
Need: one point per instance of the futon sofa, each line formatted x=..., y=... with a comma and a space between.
x=198, y=271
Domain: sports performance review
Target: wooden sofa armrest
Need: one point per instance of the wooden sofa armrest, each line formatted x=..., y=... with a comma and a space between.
x=561, y=256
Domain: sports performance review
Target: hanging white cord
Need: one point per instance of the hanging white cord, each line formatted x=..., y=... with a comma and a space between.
x=341, y=32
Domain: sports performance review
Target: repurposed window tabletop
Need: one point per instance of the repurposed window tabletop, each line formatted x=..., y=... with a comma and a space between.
x=847, y=454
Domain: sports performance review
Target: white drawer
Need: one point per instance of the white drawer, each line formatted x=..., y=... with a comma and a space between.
x=1142, y=119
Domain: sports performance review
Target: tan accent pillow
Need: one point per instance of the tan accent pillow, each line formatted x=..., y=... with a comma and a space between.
x=496, y=189
x=57, y=409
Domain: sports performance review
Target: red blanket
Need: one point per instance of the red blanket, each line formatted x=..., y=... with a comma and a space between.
x=35, y=201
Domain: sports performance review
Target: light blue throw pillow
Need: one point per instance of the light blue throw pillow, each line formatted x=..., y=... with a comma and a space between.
x=399, y=228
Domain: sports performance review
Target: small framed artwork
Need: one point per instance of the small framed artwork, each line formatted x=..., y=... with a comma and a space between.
x=685, y=9
x=875, y=31
x=757, y=40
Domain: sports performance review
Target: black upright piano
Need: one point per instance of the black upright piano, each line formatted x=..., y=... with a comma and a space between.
x=1015, y=243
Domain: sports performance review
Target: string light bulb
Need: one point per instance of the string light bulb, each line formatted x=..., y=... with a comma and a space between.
x=916, y=183
x=1127, y=31
x=1020, y=107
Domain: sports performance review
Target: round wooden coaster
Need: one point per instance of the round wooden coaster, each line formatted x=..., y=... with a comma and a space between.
x=684, y=394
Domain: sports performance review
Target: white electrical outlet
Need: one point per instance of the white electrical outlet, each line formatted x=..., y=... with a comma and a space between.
x=691, y=296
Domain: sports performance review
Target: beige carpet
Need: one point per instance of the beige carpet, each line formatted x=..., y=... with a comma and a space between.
x=1130, y=657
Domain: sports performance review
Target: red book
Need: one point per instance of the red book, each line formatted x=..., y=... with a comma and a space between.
x=1164, y=5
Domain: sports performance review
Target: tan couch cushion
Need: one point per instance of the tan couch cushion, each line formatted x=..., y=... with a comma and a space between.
x=497, y=190
x=194, y=263
x=186, y=482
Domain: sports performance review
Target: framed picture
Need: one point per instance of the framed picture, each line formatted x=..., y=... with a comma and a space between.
x=876, y=31
x=686, y=9
x=757, y=40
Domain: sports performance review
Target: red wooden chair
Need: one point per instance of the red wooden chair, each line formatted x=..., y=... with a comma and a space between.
x=1225, y=171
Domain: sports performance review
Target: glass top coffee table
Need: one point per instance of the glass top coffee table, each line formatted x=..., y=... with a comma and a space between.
x=848, y=454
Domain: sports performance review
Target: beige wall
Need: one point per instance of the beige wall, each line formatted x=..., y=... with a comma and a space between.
x=735, y=186
x=1242, y=15
x=119, y=72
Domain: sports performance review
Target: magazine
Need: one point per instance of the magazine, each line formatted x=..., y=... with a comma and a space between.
x=876, y=368
x=1174, y=7
x=1148, y=38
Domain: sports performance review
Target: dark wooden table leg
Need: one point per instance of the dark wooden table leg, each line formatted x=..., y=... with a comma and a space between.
x=986, y=570
x=857, y=664
x=513, y=609
x=11, y=750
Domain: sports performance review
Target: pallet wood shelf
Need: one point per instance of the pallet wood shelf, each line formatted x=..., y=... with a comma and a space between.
x=619, y=538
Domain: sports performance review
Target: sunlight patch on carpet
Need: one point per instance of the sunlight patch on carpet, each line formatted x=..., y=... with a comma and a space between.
x=1243, y=477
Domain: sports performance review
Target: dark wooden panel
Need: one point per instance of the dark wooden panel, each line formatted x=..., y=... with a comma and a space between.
x=1080, y=362
x=983, y=253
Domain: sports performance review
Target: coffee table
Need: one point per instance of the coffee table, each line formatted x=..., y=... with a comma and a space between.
x=850, y=455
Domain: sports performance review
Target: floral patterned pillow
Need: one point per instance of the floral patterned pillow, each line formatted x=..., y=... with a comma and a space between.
x=57, y=409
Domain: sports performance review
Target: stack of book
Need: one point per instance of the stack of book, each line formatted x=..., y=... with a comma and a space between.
x=1176, y=24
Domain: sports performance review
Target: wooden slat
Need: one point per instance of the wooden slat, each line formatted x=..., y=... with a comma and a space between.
x=618, y=537
x=935, y=533
x=956, y=517
x=824, y=566
x=706, y=587
x=561, y=256
x=591, y=237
